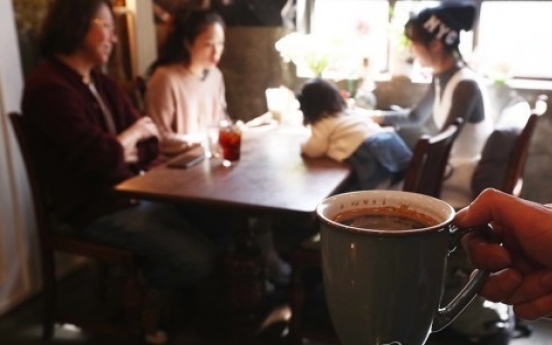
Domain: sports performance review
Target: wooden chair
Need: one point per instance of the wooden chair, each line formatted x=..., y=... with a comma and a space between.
x=139, y=319
x=429, y=161
x=514, y=174
x=503, y=158
x=424, y=175
x=136, y=91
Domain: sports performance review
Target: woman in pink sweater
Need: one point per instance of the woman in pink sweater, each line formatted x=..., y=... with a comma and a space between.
x=186, y=92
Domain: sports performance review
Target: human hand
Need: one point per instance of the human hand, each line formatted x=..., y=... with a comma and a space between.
x=345, y=94
x=175, y=144
x=374, y=115
x=142, y=129
x=522, y=265
x=146, y=128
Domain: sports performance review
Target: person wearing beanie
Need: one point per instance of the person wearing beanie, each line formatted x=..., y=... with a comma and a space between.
x=455, y=91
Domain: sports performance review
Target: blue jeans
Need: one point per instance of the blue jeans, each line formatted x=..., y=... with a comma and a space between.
x=379, y=158
x=172, y=254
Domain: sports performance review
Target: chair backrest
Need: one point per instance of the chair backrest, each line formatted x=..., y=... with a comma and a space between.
x=429, y=160
x=513, y=181
x=37, y=194
x=504, y=156
x=136, y=91
x=516, y=165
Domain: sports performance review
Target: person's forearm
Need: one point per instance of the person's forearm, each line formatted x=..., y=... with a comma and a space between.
x=128, y=139
x=393, y=117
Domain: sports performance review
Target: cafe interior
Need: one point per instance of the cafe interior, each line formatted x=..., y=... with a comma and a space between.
x=359, y=45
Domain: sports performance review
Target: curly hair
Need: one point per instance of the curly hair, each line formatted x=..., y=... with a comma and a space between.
x=319, y=99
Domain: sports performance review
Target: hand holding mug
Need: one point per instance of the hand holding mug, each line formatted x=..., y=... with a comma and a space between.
x=522, y=266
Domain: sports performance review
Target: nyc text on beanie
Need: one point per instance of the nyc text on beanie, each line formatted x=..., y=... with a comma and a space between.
x=444, y=22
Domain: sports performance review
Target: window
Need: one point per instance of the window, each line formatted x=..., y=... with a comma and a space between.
x=374, y=29
x=515, y=38
x=512, y=38
x=363, y=23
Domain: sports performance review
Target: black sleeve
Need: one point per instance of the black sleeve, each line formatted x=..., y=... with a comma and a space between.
x=467, y=103
x=415, y=117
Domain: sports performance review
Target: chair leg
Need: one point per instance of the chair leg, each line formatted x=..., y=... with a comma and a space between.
x=151, y=311
x=49, y=295
x=151, y=314
x=49, y=310
x=143, y=309
x=133, y=301
x=297, y=299
x=103, y=275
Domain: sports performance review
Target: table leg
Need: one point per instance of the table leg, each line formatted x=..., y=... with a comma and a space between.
x=245, y=281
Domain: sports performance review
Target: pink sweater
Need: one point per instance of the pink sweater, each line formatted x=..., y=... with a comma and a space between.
x=181, y=103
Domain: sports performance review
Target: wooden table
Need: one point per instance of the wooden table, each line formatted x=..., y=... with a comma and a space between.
x=271, y=178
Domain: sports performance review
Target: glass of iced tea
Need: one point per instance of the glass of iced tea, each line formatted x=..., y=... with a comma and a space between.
x=230, y=143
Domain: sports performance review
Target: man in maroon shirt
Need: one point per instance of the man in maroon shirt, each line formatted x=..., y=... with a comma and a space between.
x=87, y=137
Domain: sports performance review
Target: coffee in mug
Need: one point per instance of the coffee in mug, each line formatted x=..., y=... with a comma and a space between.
x=385, y=218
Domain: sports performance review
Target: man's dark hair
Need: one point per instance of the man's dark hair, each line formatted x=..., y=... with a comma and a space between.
x=66, y=25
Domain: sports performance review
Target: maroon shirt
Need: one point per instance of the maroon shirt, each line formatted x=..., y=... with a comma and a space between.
x=78, y=160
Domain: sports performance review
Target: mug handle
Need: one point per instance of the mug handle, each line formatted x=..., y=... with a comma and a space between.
x=447, y=314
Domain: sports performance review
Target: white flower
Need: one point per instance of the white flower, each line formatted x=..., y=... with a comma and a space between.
x=337, y=56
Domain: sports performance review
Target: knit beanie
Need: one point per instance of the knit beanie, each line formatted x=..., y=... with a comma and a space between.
x=443, y=22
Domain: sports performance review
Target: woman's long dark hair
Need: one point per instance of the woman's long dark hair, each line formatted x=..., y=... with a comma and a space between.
x=185, y=28
x=319, y=99
x=66, y=25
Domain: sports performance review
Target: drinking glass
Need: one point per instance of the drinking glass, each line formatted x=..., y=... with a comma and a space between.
x=212, y=147
x=229, y=139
